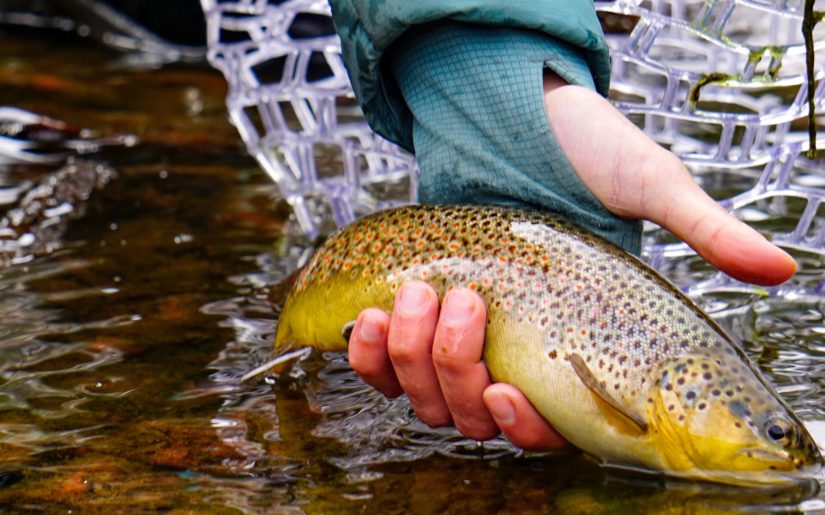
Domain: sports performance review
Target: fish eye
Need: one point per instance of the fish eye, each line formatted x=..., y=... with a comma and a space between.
x=779, y=430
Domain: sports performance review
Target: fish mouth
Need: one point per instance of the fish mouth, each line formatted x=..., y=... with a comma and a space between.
x=769, y=455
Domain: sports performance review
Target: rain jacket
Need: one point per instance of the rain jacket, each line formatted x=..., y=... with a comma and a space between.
x=459, y=83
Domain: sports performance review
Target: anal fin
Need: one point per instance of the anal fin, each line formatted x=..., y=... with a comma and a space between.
x=590, y=381
x=277, y=362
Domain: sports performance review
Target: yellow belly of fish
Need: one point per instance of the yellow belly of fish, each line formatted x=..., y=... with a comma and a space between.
x=515, y=354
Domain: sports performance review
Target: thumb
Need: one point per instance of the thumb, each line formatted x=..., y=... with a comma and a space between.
x=634, y=177
x=683, y=208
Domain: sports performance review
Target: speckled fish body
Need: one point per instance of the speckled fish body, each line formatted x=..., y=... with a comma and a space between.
x=618, y=360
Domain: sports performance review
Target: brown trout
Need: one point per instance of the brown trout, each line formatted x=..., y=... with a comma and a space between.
x=617, y=359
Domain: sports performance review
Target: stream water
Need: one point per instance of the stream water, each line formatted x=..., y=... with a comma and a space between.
x=127, y=321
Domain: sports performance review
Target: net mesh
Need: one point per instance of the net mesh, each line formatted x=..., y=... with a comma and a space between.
x=290, y=98
x=722, y=83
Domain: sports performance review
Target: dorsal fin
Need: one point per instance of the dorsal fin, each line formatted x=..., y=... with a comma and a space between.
x=590, y=381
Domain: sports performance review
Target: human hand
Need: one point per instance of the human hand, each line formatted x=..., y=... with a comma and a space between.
x=633, y=177
x=435, y=357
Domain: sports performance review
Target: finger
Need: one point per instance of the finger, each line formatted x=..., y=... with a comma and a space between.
x=519, y=420
x=368, y=354
x=457, y=349
x=719, y=237
x=636, y=178
x=409, y=343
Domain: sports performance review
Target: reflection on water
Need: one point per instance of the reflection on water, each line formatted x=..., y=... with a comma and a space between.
x=123, y=339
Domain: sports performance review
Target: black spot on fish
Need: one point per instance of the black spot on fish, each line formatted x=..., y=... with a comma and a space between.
x=10, y=478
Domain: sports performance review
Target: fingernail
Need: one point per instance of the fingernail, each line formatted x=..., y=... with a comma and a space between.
x=412, y=299
x=458, y=306
x=501, y=409
x=370, y=331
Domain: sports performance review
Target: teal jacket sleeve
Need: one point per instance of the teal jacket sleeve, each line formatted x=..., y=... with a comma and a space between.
x=369, y=27
x=467, y=99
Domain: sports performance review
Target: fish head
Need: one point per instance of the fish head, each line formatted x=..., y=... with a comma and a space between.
x=714, y=417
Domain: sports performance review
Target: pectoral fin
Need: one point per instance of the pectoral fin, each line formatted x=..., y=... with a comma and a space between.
x=589, y=380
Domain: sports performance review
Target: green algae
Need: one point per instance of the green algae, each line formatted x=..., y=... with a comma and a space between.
x=715, y=78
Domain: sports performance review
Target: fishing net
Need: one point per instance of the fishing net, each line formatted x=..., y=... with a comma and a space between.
x=290, y=98
x=722, y=83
